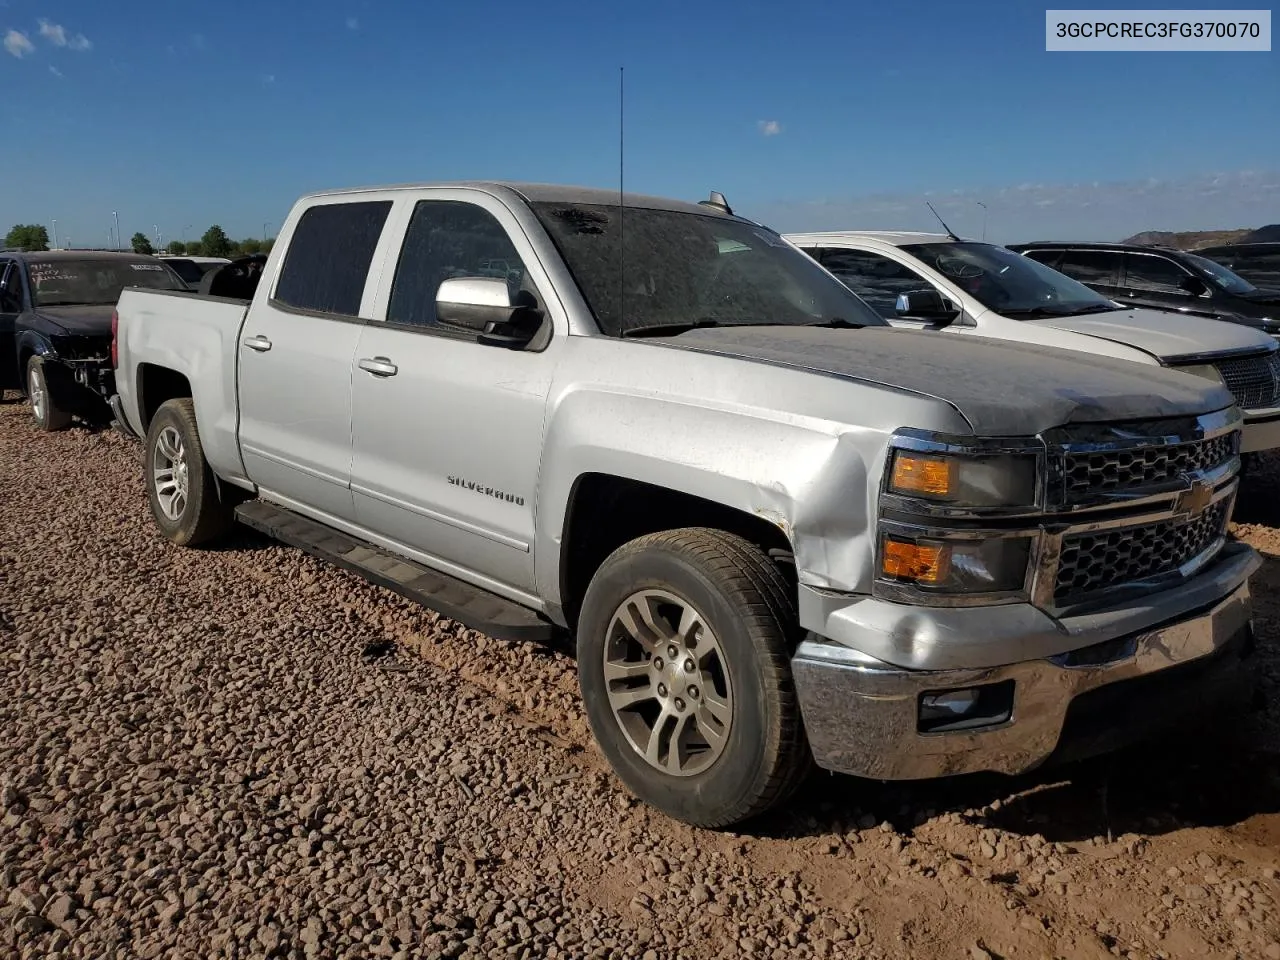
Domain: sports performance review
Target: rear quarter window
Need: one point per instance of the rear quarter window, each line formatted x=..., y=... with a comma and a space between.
x=329, y=255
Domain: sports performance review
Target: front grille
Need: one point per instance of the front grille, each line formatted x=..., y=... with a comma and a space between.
x=1253, y=381
x=1089, y=473
x=1093, y=561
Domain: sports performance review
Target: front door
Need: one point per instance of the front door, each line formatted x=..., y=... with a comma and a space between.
x=1151, y=280
x=447, y=432
x=296, y=350
x=10, y=307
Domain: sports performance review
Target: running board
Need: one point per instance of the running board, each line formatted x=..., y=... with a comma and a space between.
x=470, y=606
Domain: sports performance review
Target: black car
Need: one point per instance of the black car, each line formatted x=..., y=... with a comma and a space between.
x=1259, y=263
x=1162, y=279
x=55, y=326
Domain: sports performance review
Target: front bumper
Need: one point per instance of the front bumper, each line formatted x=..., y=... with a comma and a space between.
x=862, y=715
x=1261, y=431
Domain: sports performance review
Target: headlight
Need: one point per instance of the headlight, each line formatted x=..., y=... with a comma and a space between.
x=995, y=481
x=1206, y=370
x=956, y=566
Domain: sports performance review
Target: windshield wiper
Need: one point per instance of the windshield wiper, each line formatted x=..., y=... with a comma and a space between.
x=683, y=326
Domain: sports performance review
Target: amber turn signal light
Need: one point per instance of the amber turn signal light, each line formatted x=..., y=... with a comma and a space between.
x=914, y=473
x=921, y=562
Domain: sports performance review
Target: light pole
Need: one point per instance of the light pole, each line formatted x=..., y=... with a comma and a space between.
x=55, y=234
x=185, y=228
x=264, y=232
x=984, y=218
x=117, y=223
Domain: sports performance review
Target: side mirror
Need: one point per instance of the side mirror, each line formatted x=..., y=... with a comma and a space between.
x=1193, y=285
x=484, y=305
x=926, y=305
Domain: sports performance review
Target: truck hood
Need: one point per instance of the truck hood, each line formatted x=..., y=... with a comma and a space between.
x=90, y=320
x=1164, y=335
x=1001, y=388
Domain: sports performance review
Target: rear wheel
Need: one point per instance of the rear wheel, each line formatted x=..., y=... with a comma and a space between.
x=684, y=647
x=180, y=484
x=46, y=407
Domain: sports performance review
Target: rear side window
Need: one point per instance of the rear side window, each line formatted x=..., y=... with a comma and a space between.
x=329, y=255
x=1096, y=267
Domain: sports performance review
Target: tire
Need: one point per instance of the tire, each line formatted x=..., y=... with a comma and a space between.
x=181, y=488
x=744, y=630
x=45, y=409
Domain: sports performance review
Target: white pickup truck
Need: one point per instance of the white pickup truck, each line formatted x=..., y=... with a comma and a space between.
x=939, y=282
x=782, y=531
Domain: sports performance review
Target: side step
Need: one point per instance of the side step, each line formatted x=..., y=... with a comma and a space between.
x=471, y=606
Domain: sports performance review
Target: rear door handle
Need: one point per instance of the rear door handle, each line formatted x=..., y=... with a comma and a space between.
x=259, y=343
x=379, y=366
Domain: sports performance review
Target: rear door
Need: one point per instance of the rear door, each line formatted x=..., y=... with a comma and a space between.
x=296, y=350
x=1099, y=270
x=446, y=431
x=10, y=307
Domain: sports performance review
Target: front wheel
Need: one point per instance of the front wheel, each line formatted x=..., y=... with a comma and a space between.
x=49, y=415
x=180, y=484
x=684, y=647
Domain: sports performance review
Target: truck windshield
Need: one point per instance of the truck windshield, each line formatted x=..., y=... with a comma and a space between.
x=1007, y=282
x=686, y=269
x=1228, y=281
x=95, y=281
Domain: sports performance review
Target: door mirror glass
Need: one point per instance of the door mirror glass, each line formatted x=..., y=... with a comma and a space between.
x=1193, y=285
x=926, y=305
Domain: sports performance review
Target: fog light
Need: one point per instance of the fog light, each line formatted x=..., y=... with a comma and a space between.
x=965, y=709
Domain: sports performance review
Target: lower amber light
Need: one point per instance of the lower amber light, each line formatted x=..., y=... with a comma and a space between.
x=921, y=562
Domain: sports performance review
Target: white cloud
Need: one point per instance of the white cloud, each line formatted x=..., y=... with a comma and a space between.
x=353, y=23
x=16, y=42
x=269, y=78
x=54, y=70
x=55, y=33
x=80, y=42
x=769, y=128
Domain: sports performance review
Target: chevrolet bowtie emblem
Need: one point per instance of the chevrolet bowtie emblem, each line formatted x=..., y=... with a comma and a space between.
x=1193, y=501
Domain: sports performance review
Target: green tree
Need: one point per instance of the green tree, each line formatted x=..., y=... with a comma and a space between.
x=28, y=236
x=141, y=244
x=177, y=247
x=214, y=243
x=233, y=248
x=251, y=245
x=194, y=249
x=271, y=242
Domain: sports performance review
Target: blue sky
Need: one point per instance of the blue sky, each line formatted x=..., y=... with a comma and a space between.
x=807, y=115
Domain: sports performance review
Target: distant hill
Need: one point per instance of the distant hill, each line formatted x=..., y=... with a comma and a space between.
x=1193, y=239
x=1267, y=234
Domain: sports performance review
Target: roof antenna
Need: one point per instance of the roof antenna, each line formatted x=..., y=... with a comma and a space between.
x=622, y=229
x=950, y=232
x=717, y=202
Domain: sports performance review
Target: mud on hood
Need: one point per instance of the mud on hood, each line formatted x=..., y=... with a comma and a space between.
x=1001, y=388
x=1163, y=334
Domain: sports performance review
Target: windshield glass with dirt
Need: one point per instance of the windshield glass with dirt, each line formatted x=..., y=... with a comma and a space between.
x=682, y=269
x=64, y=283
x=1007, y=282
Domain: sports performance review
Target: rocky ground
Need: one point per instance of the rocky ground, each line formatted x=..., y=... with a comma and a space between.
x=245, y=753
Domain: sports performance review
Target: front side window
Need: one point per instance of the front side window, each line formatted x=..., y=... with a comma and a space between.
x=1144, y=271
x=1007, y=282
x=875, y=278
x=327, y=263
x=446, y=239
x=70, y=282
x=645, y=268
x=10, y=288
x=1220, y=275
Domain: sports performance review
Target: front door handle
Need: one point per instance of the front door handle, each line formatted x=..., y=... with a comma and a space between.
x=379, y=366
x=259, y=343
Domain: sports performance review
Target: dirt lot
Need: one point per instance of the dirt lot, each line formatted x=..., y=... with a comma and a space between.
x=244, y=753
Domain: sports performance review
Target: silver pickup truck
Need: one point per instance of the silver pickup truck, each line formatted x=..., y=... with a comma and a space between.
x=781, y=531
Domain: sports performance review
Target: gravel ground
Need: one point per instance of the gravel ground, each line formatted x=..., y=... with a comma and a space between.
x=245, y=753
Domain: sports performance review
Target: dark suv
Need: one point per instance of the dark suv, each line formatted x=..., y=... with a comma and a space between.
x=1259, y=263
x=1162, y=279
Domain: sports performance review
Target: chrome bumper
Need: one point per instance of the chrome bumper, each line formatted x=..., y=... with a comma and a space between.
x=862, y=714
x=1261, y=431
